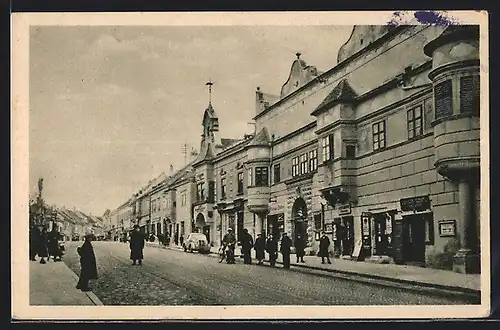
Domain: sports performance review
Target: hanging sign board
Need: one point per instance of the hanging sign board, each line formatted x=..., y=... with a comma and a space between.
x=420, y=203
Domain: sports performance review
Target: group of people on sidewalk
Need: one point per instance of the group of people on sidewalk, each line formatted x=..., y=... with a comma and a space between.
x=270, y=245
x=44, y=244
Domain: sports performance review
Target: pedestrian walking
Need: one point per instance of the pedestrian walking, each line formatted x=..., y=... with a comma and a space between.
x=53, y=245
x=260, y=247
x=181, y=239
x=299, y=248
x=272, y=249
x=324, y=244
x=137, y=241
x=42, y=249
x=88, y=264
x=286, y=244
x=246, y=246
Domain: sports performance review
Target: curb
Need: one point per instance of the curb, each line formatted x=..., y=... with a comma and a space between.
x=91, y=295
x=396, y=281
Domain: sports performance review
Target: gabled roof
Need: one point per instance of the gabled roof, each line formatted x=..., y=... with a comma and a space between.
x=260, y=139
x=226, y=143
x=342, y=93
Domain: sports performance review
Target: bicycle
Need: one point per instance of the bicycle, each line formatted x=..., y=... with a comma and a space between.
x=222, y=254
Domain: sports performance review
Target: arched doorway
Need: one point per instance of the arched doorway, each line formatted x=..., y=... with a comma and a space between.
x=299, y=219
x=202, y=227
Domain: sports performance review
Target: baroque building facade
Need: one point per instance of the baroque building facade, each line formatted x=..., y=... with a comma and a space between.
x=380, y=152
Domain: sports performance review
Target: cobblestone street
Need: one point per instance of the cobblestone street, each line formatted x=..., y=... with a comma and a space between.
x=176, y=278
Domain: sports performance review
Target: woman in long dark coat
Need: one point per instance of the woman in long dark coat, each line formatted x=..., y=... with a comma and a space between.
x=299, y=248
x=324, y=244
x=286, y=244
x=34, y=242
x=272, y=249
x=88, y=264
x=42, y=249
x=260, y=247
x=53, y=245
x=136, y=246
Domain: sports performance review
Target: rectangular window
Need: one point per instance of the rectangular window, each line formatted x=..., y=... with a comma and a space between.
x=379, y=135
x=313, y=160
x=200, y=192
x=414, y=120
x=276, y=173
x=211, y=192
x=223, y=189
x=327, y=147
x=295, y=166
x=240, y=183
x=303, y=164
x=261, y=176
x=250, y=178
x=443, y=99
x=350, y=151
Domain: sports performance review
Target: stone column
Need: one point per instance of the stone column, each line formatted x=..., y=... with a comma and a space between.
x=258, y=223
x=466, y=260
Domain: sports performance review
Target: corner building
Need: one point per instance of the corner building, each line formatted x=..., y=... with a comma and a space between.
x=381, y=151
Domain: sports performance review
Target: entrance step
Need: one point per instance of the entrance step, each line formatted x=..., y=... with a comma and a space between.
x=379, y=260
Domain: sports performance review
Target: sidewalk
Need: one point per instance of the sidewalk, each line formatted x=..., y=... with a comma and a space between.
x=55, y=284
x=420, y=276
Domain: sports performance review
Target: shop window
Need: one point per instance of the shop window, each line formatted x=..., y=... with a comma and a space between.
x=327, y=147
x=414, y=122
x=240, y=183
x=429, y=229
x=379, y=135
x=295, y=166
x=276, y=173
x=261, y=176
x=469, y=94
x=313, y=160
x=350, y=151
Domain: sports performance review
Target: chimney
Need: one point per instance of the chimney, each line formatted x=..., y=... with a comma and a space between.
x=259, y=101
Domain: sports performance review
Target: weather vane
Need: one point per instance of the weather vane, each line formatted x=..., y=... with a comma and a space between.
x=209, y=84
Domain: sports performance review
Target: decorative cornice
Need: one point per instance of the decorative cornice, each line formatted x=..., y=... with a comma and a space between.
x=459, y=169
x=453, y=66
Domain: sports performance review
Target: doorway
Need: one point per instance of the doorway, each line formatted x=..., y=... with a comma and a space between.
x=299, y=218
x=382, y=223
x=347, y=235
x=413, y=238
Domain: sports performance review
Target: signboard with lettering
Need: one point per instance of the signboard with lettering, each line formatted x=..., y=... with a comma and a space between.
x=344, y=209
x=469, y=94
x=421, y=203
x=443, y=97
x=448, y=228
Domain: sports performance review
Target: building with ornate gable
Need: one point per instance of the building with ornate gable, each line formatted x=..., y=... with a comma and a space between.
x=381, y=152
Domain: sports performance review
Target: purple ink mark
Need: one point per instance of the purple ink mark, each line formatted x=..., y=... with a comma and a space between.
x=422, y=17
x=433, y=18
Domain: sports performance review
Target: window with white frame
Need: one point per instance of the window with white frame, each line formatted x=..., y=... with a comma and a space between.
x=379, y=135
x=295, y=166
x=414, y=120
x=303, y=164
x=313, y=160
x=327, y=147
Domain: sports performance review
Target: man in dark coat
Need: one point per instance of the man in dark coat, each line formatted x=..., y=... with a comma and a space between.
x=229, y=241
x=42, y=250
x=299, y=248
x=88, y=264
x=324, y=244
x=272, y=249
x=53, y=245
x=286, y=244
x=137, y=241
x=246, y=246
x=260, y=247
x=34, y=242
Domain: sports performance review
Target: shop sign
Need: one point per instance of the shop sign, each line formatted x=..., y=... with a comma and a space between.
x=420, y=203
x=448, y=228
x=344, y=209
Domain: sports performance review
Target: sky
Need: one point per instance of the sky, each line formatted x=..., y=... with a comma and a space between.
x=110, y=107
